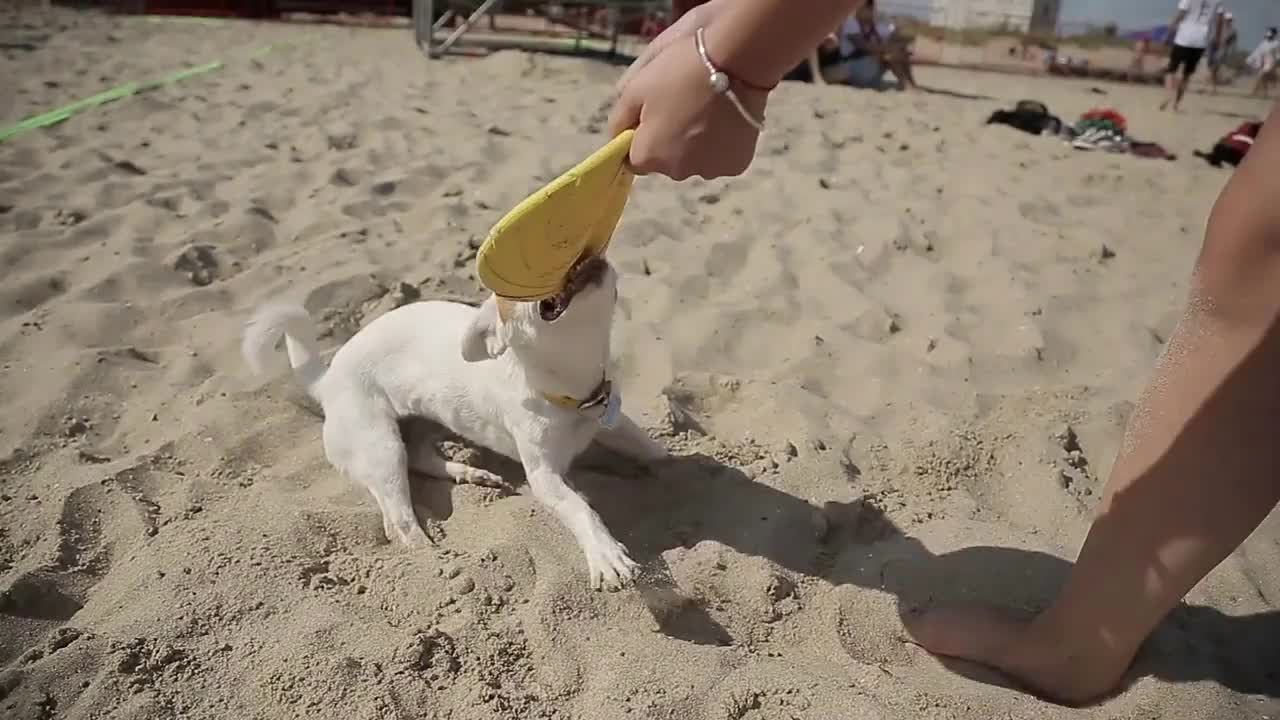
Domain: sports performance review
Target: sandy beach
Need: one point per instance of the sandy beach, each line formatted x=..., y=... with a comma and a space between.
x=894, y=360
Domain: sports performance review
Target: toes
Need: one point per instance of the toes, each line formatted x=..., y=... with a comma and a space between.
x=622, y=570
x=404, y=531
x=612, y=571
x=1046, y=663
x=979, y=634
x=415, y=537
x=617, y=581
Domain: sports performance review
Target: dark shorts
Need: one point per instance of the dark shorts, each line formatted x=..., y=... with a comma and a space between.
x=1187, y=58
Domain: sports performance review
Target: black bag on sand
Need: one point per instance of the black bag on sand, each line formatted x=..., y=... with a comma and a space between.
x=1233, y=146
x=1029, y=116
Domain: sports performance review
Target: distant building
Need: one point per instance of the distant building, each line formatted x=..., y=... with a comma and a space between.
x=1017, y=15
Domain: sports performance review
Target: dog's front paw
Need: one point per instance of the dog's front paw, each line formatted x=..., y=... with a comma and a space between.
x=609, y=565
x=409, y=532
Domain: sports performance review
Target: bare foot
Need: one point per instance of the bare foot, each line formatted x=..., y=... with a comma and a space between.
x=1040, y=659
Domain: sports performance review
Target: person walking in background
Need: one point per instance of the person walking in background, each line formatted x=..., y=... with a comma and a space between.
x=1196, y=24
x=1141, y=48
x=1221, y=51
x=1263, y=61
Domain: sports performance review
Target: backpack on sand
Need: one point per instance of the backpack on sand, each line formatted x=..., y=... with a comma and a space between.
x=1029, y=116
x=1233, y=146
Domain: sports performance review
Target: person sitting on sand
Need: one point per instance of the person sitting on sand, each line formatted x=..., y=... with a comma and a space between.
x=1263, y=60
x=859, y=53
x=1197, y=470
x=872, y=49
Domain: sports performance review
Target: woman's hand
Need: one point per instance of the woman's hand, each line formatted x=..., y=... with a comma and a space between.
x=683, y=128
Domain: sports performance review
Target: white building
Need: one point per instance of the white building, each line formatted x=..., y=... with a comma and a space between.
x=1017, y=15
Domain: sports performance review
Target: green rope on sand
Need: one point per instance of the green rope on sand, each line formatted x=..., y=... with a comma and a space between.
x=58, y=115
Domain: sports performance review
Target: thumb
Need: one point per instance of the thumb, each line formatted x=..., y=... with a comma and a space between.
x=646, y=156
x=625, y=113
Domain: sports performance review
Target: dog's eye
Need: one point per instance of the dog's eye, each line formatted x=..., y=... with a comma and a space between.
x=551, y=309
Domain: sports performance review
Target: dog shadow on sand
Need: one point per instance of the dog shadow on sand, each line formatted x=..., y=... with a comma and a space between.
x=688, y=499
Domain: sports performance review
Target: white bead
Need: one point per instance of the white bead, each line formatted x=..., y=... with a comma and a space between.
x=719, y=82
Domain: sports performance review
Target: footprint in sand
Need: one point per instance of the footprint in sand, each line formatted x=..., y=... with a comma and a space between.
x=1042, y=212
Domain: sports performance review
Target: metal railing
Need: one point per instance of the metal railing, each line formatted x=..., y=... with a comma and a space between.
x=575, y=26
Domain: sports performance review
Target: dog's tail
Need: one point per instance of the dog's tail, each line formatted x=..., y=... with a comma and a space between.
x=265, y=329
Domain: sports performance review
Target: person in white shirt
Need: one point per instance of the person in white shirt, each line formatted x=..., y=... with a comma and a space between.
x=1196, y=25
x=1263, y=60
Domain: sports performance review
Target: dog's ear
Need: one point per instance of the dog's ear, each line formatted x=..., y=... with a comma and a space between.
x=485, y=337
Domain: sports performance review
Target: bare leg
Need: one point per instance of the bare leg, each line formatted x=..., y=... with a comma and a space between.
x=1196, y=473
x=1170, y=88
x=1182, y=82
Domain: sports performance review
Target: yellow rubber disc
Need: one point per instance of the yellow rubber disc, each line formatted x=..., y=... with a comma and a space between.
x=529, y=252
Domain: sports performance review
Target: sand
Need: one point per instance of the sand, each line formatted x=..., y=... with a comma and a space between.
x=894, y=360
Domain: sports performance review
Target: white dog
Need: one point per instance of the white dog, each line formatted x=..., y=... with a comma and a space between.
x=527, y=380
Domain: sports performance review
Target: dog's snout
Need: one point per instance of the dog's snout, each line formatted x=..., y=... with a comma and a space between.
x=588, y=272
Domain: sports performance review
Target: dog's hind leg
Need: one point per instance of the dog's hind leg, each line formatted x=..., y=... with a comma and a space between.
x=629, y=439
x=368, y=450
x=427, y=460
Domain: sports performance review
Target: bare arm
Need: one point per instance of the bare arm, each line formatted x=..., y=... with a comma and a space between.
x=1200, y=466
x=1198, y=471
x=762, y=39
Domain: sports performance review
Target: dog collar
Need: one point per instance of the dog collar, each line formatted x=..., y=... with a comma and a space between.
x=606, y=397
x=599, y=397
